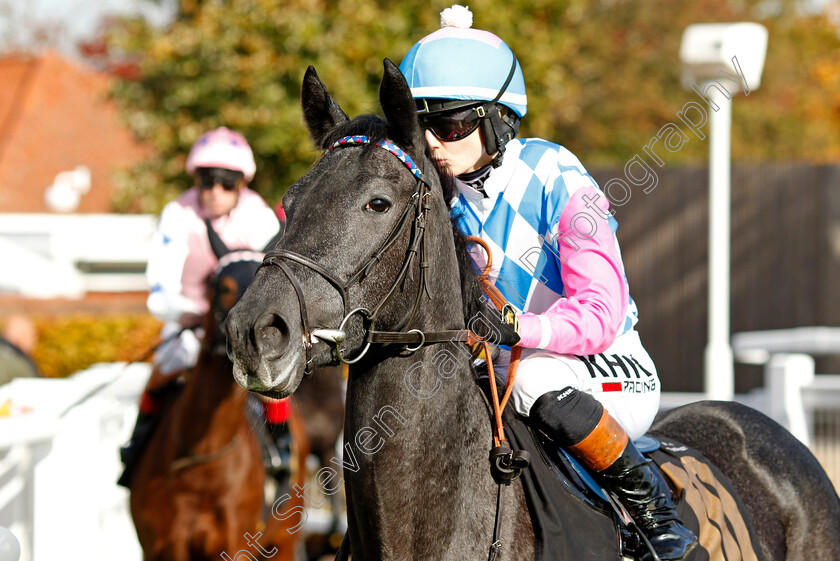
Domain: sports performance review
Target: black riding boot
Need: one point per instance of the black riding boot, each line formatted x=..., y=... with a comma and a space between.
x=580, y=424
x=130, y=453
x=642, y=489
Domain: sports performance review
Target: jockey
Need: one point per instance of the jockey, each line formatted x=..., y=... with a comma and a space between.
x=221, y=164
x=584, y=377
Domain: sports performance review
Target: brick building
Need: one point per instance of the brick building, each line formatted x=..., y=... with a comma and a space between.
x=55, y=116
x=61, y=140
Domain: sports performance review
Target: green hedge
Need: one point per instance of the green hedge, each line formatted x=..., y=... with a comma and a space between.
x=67, y=344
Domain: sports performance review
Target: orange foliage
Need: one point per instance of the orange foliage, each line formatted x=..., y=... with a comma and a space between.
x=68, y=344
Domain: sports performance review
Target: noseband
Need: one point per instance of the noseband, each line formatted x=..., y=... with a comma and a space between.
x=414, y=215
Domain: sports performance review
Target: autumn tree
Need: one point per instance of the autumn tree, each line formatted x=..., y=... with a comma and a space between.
x=602, y=77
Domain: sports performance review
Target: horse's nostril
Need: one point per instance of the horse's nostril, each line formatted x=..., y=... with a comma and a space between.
x=271, y=333
x=230, y=327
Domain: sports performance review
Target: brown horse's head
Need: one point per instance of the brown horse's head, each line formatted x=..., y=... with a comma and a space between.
x=233, y=274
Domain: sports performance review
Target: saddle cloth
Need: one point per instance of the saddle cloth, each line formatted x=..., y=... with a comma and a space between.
x=706, y=501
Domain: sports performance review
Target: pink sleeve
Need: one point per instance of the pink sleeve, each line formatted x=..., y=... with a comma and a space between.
x=585, y=321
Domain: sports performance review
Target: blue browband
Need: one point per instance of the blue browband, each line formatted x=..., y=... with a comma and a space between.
x=387, y=145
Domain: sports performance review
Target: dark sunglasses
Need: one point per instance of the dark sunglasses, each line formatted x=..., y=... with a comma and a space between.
x=210, y=177
x=452, y=125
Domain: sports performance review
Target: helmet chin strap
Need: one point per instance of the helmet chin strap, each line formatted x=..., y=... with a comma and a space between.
x=497, y=130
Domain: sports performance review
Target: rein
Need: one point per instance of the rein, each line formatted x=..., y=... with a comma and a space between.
x=509, y=316
x=506, y=463
x=182, y=463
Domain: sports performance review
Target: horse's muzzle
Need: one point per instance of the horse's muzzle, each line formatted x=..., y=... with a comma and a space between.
x=259, y=346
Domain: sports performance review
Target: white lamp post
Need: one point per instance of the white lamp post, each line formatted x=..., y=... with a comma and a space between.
x=719, y=60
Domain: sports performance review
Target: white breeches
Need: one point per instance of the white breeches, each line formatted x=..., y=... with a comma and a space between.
x=623, y=378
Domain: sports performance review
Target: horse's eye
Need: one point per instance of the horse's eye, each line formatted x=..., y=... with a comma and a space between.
x=378, y=205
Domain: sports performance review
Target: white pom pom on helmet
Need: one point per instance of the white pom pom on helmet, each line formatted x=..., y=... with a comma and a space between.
x=222, y=148
x=457, y=62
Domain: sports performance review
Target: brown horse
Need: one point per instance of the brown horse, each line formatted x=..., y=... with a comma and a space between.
x=197, y=492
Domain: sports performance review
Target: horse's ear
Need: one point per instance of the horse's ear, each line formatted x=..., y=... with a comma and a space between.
x=400, y=109
x=270, y=245
x=321, y=113
x=216, y=244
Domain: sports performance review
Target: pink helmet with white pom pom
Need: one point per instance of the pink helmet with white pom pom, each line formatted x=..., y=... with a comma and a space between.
x=222, y=148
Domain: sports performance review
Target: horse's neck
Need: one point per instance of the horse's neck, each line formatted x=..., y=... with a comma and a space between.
x=418, y=435
x=417, y=439
x=211, y=405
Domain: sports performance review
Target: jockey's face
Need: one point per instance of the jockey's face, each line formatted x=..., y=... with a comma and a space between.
x=218, y=201
x=460, y=156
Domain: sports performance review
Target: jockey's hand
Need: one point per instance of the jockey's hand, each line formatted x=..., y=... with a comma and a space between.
x=496, y=328
x=508, y=328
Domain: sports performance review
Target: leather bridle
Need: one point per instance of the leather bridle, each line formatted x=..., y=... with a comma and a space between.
x=413, y=216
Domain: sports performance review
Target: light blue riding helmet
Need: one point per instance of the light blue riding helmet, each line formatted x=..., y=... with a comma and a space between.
x=457, y=62
x=457, y=66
